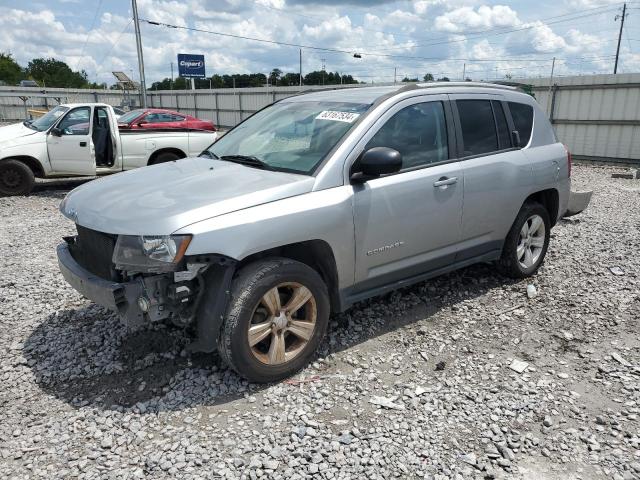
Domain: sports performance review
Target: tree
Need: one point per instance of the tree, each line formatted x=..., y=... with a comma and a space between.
x=428, y=77
x=10, y=72
x=274, y=76
x=407, y=79
x=444, y=79
x=55, y=73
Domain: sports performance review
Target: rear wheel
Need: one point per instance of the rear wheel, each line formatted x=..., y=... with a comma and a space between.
x=16, y=178
x=165, y=157
x=277, y=316
x=526, y=244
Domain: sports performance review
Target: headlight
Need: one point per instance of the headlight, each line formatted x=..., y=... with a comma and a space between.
x=150, y=253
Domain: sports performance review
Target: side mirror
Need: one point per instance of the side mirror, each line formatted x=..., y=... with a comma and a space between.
x=56, y=132
x=375, y=162
x=515, y=138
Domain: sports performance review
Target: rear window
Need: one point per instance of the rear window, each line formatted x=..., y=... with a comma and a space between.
x=478, y=127
x=523, y=120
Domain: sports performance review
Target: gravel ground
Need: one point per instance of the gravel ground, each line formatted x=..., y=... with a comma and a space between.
x=416, y=384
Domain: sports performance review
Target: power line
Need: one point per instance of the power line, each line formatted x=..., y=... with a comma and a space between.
x=478, y=35
x=326, y=49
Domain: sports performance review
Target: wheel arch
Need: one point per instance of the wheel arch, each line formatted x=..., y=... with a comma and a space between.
x=549, y=199
x=31, y=162
x=160, y=151
x=316, y=254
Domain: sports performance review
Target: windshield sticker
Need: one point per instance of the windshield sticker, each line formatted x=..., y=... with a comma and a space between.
x=348, y=117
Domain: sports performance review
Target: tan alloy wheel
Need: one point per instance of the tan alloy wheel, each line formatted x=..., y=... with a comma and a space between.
x=282, y=323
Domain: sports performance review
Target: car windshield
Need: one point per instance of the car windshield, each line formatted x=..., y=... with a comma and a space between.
x=290, y=136
x=44, y=122
x=131, y=116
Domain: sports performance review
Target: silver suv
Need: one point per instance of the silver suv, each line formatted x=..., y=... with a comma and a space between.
x=317, y=202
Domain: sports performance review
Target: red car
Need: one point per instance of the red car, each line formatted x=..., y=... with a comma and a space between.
x=155, y=118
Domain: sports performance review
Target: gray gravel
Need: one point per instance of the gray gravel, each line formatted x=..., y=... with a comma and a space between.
x=422, y=383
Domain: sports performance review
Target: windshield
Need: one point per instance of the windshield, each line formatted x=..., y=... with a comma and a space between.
x=290, y=136
x=131, y=116
x=44, y=122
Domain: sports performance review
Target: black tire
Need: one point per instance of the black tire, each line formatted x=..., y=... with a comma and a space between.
x=165, y=157
x=509, y=263
x=247, y=290
x=16, y=178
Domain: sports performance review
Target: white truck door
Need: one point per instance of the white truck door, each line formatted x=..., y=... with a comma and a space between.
x=69, y=143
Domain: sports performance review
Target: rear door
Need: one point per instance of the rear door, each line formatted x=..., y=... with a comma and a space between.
x=409, y=222
x=496, y=173
x=72, y=152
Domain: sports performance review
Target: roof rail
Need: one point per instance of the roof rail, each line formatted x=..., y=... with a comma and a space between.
x=464, y=84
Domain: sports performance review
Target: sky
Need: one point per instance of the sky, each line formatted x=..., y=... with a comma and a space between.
x=482, y=39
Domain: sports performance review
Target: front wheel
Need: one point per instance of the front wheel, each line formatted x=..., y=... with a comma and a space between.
x=526, y=244
x=277, y=316
x=16, y=178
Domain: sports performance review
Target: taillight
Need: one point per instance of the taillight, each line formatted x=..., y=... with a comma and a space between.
x=568, y=161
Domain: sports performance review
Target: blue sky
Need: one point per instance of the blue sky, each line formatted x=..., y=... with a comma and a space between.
x=487, y=39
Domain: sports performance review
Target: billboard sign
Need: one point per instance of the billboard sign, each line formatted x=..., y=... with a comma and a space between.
x=191, y=66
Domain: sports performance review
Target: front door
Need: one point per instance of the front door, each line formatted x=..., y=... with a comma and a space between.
x=409, y=223
x=71, y=149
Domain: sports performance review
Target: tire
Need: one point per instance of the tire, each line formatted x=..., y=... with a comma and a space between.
x=16, y=178
x=247, y=306
x=524, y=250
x=165, y=157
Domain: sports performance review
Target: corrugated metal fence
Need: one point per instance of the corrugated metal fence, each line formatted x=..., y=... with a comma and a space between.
x=597, y=116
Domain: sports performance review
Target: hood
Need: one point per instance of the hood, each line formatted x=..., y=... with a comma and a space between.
x=160, y=199
x=10, y=133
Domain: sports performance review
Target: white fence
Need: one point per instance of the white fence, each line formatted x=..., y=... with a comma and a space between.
x=597, y=117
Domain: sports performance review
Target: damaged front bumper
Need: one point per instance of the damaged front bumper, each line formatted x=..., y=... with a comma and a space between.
x=201, y=296
x=127, y=298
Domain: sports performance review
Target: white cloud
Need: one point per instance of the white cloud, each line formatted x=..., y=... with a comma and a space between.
x=485, y=17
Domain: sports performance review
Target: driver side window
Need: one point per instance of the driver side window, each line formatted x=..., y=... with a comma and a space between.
x=418, y=132
x=76, y=122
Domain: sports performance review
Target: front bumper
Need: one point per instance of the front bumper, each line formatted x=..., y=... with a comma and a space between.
x=119, y=297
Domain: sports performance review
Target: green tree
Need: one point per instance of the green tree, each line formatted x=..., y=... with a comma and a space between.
x=55, y=73
x=408, y=80
x=428, y=77
x=274, y=76
x=10, y=72
x=444, y=79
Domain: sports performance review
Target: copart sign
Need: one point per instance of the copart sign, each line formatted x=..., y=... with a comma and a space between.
x=191, y=66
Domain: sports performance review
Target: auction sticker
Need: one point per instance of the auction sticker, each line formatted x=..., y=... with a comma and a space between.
x=348, y=117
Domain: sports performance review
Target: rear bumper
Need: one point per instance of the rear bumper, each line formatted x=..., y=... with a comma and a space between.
x=578, y=201
x=119, y=297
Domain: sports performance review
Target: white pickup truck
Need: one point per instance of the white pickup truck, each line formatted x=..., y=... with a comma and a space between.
x=82, y=139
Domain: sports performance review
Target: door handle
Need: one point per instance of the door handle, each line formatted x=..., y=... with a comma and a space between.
x=444, y=181
x=83, y=144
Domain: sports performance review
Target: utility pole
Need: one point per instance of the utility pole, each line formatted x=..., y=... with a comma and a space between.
x=395, y=71
x=553, y=65
x=323, y=67
x=621, y=17
x=143, y=85
x=300, y=67
x=464, y=70
x=171, y=75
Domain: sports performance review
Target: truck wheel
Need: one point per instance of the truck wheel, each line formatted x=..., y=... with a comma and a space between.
x=527, y=242
x=277, y=315
x=16, y=178
x=165, y=157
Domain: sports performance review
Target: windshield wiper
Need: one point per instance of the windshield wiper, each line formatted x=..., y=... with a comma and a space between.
x=248, y=160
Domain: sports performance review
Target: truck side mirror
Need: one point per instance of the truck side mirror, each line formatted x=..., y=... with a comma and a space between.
x=375, y=162
x=56, y=132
